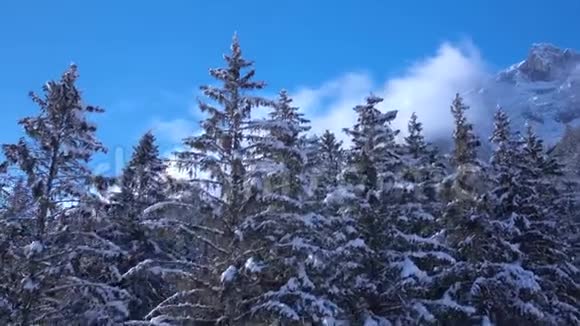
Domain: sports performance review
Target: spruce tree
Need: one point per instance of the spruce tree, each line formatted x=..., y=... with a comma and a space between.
x=416, y=254
x=567, y=153
x=545, y=249
x=330, y=162
x=15, y=217
x=286, y=228
x=504, y=161
x=230, y=150
x=152, y=244
x=19, y=204
x=487, y=283
x=60, y=143
x=142, y=181
x=360, y=282
x=424, y=165
x=53, y=282
x=332, y=153
x=415, y=141
x=422, y=171
x=223, y=153
x=466, y=142
x=374, y=145
x=4, y=184
x=282, y=145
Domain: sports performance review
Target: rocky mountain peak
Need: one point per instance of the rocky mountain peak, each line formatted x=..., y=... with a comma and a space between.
x=543, y=89
x=545, y=62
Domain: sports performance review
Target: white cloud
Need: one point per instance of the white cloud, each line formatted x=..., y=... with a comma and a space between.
x=427, y=87
x=330, y=105
x=174, y=130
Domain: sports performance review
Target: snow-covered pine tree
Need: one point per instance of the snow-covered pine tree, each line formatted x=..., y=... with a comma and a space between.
x=282, y=145
x=469, y=174
x=152, y=241
x=466, y=142
x=545, y=250
x=332, y=154
x=287, y=232
x=51, y=286
x=414, y=253
x=329, y=165
x=374, y=146
x=423, y=165
x=60, y=143
x=487, y=282
x=225, y=155
x=142, y=181
x=539, y=164
x=503, y=163
x=19, y=204
x=4, y=184
x=567, y=152
x=506, y=289
x=310, y=145
x=359, y=283
x=415, y=141
x=461, y=193
x=15, y=217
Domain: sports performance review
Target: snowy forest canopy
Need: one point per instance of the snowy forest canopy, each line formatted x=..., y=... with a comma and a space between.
x=274, y=226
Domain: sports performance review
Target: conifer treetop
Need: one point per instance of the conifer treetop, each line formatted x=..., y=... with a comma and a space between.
x=466, y=143
x=415, y=141
x=507, y=148
x=371, y=119
x=221, y=148
x=234, y=80
x=141, y=181
x=329, y=142
x=287, y=122
x=59, y=143
x=501, y=132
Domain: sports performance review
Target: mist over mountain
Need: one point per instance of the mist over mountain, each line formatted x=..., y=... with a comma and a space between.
x=541, y=90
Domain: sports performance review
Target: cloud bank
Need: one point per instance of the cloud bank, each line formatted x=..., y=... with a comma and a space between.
x=174, y=131
x=427, y=87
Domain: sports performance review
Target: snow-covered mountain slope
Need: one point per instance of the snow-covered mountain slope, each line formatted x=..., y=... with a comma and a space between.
x=543, y=89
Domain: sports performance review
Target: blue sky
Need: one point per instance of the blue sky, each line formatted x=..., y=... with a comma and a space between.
x=143, y=60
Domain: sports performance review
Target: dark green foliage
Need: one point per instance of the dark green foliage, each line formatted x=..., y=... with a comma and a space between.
x=466, y=143
x=57, y=274
x=328, y=162
x=142, y=182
